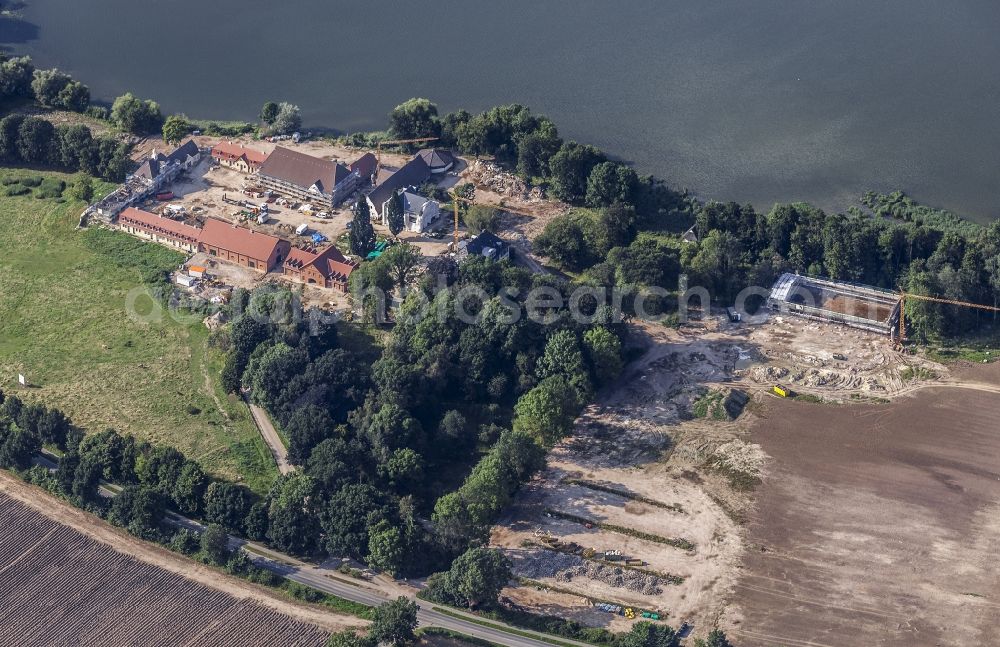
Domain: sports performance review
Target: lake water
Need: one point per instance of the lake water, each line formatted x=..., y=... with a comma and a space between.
x=747, y=100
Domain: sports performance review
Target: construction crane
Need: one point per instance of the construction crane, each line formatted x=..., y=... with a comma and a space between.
x=903, y=296
x=378, y=149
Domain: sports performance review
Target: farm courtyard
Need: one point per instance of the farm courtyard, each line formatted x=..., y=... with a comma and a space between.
x=64, y=325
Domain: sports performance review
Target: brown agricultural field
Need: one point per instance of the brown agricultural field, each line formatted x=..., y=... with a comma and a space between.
x=876, y=524
x=809, y=525
x=62, y=584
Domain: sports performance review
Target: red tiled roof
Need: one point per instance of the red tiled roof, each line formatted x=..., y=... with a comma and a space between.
x=330, y=262
x=238, y=240
x=159, y=224
x=232, y=151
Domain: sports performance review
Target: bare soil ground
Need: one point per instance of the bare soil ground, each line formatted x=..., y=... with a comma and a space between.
x=876, y=524
x=679, y=476
x=66, y=516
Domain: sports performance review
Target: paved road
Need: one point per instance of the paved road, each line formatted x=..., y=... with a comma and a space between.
x=368, y=593
x=348, y=588
x=271, y=437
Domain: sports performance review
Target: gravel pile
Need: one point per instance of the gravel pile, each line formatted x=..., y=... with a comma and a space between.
x=616, y=576
x=534, y=564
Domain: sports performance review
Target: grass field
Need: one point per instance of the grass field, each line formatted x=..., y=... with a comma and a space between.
x=64, y=324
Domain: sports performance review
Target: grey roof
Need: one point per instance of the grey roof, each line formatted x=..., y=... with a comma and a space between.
x=149, y=169
x=413, y=202
x=304, y=170
x=412, y=174
x=436, y=158
x=185, y=150
x=487, y=240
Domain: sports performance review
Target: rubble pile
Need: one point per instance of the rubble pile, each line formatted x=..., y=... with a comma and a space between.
x=494, y=178
x=542, y=563
x=616, y=576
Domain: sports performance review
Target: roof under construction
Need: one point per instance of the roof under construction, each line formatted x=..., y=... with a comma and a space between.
x=851, y=304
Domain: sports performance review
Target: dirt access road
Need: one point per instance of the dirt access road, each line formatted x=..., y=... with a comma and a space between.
x=271, y=437
x=877, y=524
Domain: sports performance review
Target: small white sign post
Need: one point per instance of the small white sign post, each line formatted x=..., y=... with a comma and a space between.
x=21, y=380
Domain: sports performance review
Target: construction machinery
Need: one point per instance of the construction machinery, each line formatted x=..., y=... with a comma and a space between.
x=378, y=149
x=903, y=296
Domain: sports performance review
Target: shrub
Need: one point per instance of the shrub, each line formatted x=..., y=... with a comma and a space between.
x=98, y=112
x=32, y=180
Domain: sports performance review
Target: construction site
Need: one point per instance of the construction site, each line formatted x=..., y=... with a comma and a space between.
x=857, y=306
x=652, y=505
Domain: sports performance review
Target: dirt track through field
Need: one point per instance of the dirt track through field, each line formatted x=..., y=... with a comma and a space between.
x=877, y=525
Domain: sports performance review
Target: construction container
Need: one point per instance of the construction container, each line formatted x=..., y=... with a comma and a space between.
x=780, y=390
x=196, y=271
x=301, y=229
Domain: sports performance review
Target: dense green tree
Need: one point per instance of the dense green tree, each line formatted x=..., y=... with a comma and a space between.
x=716, y=638
x=215, y=544
x=394, y=213
x=83, y=189
x=293, y=521
x=269, y=112
x=465, y=516
x=393, y=623
x=647, y=634
x=349, y=638
x=46, y=86
x=386, y=548
x=362, y=234
x=135, y=115
x=570, y=170
x=10, y=127
x=334, y=463
x=227, y=504
x=160, y=468
x=185, y=542
x=74, y=96
x=401, y=261
x=611, y=182
x=288, y=120
x=475, y=578
x=35, y=141
x=535, y=149
x=138, y=509
x=16, y=74
x=451, y=123
x=646, y=261
x=269, y=371
x=563, y=357
x=306, y=428
x=566, y=241
x=547, y=411
x=414, y=119
x=604, y=354
x=188, y=492
x=617, y=225
x=176, y=128
x=348, y=518
x=17, y=446
x=255, y=523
